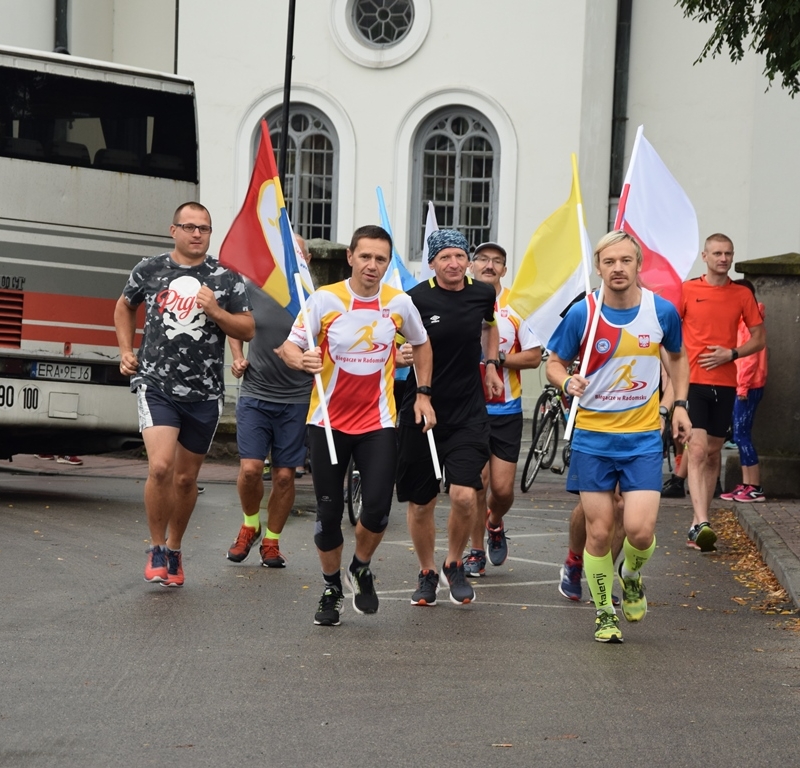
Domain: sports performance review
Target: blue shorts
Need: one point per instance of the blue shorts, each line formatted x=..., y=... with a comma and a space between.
x=196, y=422
x=271, y=429
x=591, y=473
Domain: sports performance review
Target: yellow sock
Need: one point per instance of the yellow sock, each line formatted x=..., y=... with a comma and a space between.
x=635, y=558
x=271, y=535
x=251, y=521
x=600, y=577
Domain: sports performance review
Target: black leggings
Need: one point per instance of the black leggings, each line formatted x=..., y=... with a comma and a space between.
x=375, y=455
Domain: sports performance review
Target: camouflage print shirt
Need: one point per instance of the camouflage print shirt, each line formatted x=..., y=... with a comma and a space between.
x=182, y=351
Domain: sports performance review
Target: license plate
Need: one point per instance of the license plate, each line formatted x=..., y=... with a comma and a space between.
x=62, y=372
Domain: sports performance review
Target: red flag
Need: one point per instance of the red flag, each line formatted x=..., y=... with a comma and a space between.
x=655, y=210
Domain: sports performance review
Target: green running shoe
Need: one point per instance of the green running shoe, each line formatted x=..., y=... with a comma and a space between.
x=606, y=628
x=634, y=603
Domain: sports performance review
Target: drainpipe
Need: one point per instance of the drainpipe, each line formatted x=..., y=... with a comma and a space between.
x=61, y=41
x=619, y=119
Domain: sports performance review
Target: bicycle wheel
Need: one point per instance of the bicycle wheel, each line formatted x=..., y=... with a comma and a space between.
x=541, y=407
x=539, y=449
x=552, y=446
x=353, y=493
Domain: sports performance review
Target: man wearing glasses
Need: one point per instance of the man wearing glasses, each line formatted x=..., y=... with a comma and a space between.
x=519, y=349
x=191, y=304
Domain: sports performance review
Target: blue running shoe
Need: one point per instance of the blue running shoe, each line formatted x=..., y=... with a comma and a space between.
x=570, y=585
x=475, y=564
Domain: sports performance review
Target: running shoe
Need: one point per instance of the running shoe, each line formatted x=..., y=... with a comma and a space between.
x=475, y=564
x=496, y=544
x=634, y=602
x=75, y=461
x=606, y=628
x=156, y=568
x=271, y=556
x=365, y=600
x=461, y=592
x=427, y=587
x=201, y=489
x=570, y=585
x=674, y=488
x=749, y=493
x=702, y=537
x=329, y=608
x=731, y=495
x=174, y=569
x=245, y=539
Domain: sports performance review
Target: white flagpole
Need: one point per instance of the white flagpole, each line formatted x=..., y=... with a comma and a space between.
x=437, y=470
x=585, y=362
x=317, y=378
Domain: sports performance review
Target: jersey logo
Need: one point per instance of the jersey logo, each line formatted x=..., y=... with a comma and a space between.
x=384, y=313
x=435, y=319
x=367, y=332
x=625, y=381
x=602, y=346
x=644, y=340
x=503, y=313
x=177, y=305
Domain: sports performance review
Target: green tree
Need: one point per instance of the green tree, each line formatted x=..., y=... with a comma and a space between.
x=770, y=27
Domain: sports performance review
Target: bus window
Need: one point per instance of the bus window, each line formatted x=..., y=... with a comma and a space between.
x=110, y=126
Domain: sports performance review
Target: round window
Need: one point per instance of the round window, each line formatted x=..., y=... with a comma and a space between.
x=383, y=22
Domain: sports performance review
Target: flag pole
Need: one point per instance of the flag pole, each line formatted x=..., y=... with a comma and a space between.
x=585, y=257
x=287, y=96
x=317, y=378
x=585, y=362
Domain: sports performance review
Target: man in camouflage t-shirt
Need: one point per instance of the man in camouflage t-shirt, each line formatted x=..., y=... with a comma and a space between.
x=191, y=305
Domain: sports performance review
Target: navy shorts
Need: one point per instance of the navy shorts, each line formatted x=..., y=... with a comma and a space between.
x=591, y=473
x=196, y=422
x=271, y=429
x=505, y=436
x=711, y=408
x=463, y=452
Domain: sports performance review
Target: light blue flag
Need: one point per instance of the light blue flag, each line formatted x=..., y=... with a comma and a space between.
x=397, y=275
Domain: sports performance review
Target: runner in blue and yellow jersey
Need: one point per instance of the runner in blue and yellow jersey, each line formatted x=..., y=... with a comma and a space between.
x=617, y=438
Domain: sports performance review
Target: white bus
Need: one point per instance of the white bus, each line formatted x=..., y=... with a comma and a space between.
x=94, y=158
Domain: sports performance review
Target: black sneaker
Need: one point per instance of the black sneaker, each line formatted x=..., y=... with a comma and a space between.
x=329, y=608
x=427, y=587
x=674, y=488
x=364, y=598
x=461, y=592
x=702, y=537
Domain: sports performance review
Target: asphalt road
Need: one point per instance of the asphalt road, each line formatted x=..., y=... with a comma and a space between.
x=98, y=668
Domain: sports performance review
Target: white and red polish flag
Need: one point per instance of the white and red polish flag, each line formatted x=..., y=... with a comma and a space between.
x=655, y=210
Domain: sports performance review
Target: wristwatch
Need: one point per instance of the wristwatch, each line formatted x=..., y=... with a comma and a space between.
x=663, y=410
x=492, y=361
x=425, y=390
x=682, y=403
x=502, y=356
x=734, y=354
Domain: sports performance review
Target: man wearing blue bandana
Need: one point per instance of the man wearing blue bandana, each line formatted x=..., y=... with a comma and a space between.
x=458, y=314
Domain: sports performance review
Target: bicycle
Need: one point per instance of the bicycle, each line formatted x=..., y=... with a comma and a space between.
x=551, y=410
x=352, y=493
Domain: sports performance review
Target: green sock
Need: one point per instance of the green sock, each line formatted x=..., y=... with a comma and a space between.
x=271, y=535
x=252, y=521
x=635, y=558
x=600, y=576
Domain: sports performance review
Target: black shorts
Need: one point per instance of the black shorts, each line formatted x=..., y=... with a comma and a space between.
x=505, y=436
x=463, y=452
x=711, y=408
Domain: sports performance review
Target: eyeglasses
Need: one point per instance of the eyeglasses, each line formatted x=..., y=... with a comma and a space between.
x=190, y=228
x=498, y=261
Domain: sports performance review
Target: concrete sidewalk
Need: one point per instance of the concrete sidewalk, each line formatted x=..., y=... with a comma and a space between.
x=773, y=525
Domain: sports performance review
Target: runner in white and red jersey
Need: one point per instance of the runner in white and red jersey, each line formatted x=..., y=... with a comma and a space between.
x=519, y=349
x=355, y=323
